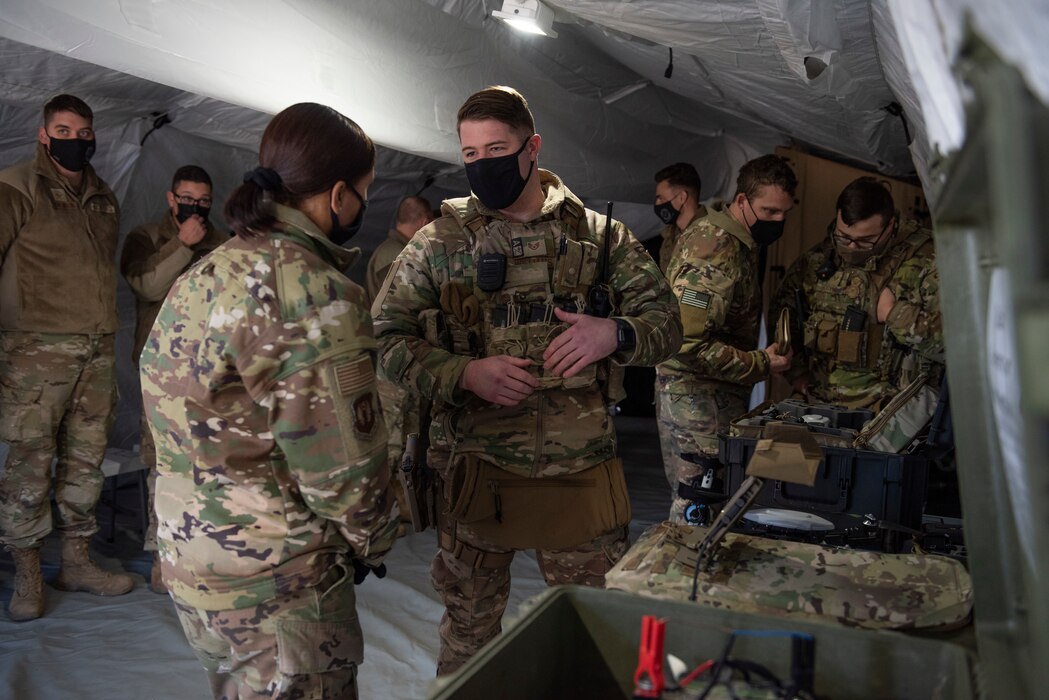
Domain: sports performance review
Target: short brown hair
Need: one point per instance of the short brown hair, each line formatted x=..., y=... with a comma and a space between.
x=67, y=103
x=766, y=170
x=504, y=104
x=412, y=208
x=190, y=173
x=863, y=198
x=681, y=175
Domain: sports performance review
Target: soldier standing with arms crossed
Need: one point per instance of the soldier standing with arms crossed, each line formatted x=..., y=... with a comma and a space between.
x=485, y=313
x=58, y=316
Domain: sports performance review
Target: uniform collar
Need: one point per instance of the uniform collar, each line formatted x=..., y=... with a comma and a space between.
x=555, y=195
x=718, y=215
x=90, y=184
x=299, y=226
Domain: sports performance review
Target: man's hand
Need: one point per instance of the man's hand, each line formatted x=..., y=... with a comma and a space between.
x=499, y=379
x=886, y=301
x=586, y=340
x=778, y=363
x=191, y=231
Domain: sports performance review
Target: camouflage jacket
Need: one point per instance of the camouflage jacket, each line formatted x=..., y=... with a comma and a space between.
x=380, y=262
x=58, y=248
x=714, y=276
x=671, y=234
x=432, y=318
x=258, y=381
x=861, y=368
x=152, y=259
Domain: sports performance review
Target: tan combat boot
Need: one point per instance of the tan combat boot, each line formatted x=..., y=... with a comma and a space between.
x=79, y=573
x=27, y=602
x=156, y=583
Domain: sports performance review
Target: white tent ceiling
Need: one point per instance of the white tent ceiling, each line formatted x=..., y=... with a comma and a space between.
x=402, y=67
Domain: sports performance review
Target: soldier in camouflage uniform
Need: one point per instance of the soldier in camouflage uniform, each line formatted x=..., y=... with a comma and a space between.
x=58, y=316
x=677, y=206
x=154, y=256
x=484, y=312
x=714, y=275
x=402, y=409
x=258, y=382
x=872, y=321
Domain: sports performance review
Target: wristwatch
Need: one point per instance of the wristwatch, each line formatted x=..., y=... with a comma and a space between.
x=626, y=339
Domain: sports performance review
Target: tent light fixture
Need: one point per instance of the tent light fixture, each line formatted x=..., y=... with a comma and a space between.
x=531, y=16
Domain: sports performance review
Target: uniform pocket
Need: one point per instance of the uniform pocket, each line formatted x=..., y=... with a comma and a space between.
x=318, y=647
x=827, y=337
x=21, y=415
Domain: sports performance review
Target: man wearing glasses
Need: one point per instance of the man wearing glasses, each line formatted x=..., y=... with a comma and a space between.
x=867, y=301
x=154, y=256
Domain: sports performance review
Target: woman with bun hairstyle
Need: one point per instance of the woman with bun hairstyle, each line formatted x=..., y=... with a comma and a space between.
x=259, y=385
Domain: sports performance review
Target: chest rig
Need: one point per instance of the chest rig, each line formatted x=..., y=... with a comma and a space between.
x=513, y=276
x=842, y=326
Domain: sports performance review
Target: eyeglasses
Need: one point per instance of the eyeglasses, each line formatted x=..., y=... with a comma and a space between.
x=844, y=239
x=189, y=201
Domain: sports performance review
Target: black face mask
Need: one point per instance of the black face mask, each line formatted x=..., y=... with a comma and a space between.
x=187, y=210
x=72, y=154
x=339, y=233
x=666, y=212
x=763, y=231
x=497, y=182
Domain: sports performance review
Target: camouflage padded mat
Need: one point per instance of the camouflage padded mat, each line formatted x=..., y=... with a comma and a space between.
x=849, y=587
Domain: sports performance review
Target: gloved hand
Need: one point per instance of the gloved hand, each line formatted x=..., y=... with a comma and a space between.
x=361, y=571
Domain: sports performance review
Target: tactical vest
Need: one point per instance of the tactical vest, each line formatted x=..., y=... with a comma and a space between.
x=550, y=264
x=842, y=326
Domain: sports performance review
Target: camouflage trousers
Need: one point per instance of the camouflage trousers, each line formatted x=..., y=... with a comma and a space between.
x=57, y=393
x=401, y=411
x=688, y=425
x=475, y=594
x=304, y=645
x=147, y=452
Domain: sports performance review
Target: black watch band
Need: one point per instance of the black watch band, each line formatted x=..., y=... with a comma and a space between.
x=626, y=339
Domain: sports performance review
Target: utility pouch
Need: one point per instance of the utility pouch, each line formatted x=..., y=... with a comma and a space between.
x=550, y=513
x=569, y=265
x=902, y=420
x=435, y=331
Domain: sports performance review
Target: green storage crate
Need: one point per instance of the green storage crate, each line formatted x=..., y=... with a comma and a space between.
x=582, y=644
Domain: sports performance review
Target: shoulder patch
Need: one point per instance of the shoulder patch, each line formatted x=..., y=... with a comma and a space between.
x=364, y=415
x=694, y=297
x=353, y=375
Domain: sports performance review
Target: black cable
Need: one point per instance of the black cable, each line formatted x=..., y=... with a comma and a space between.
x=429, y=181
x=716, y=670
x=896, y=110
x=670, y=66
x=159, y=121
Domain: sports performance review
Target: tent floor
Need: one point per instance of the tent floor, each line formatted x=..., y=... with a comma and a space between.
x=132, y=646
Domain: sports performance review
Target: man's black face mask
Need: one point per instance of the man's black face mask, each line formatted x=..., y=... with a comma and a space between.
x=72, y=154
x=497, y=182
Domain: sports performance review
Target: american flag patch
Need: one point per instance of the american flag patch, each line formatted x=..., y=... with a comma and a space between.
x=353, y=375
x=694, y=297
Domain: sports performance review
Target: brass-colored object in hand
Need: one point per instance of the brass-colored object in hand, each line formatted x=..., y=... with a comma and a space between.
x=783, y=340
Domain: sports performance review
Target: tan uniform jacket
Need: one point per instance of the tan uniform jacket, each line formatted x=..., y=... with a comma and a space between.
x=152, y=259
x=58, y=245
x=380, y=262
